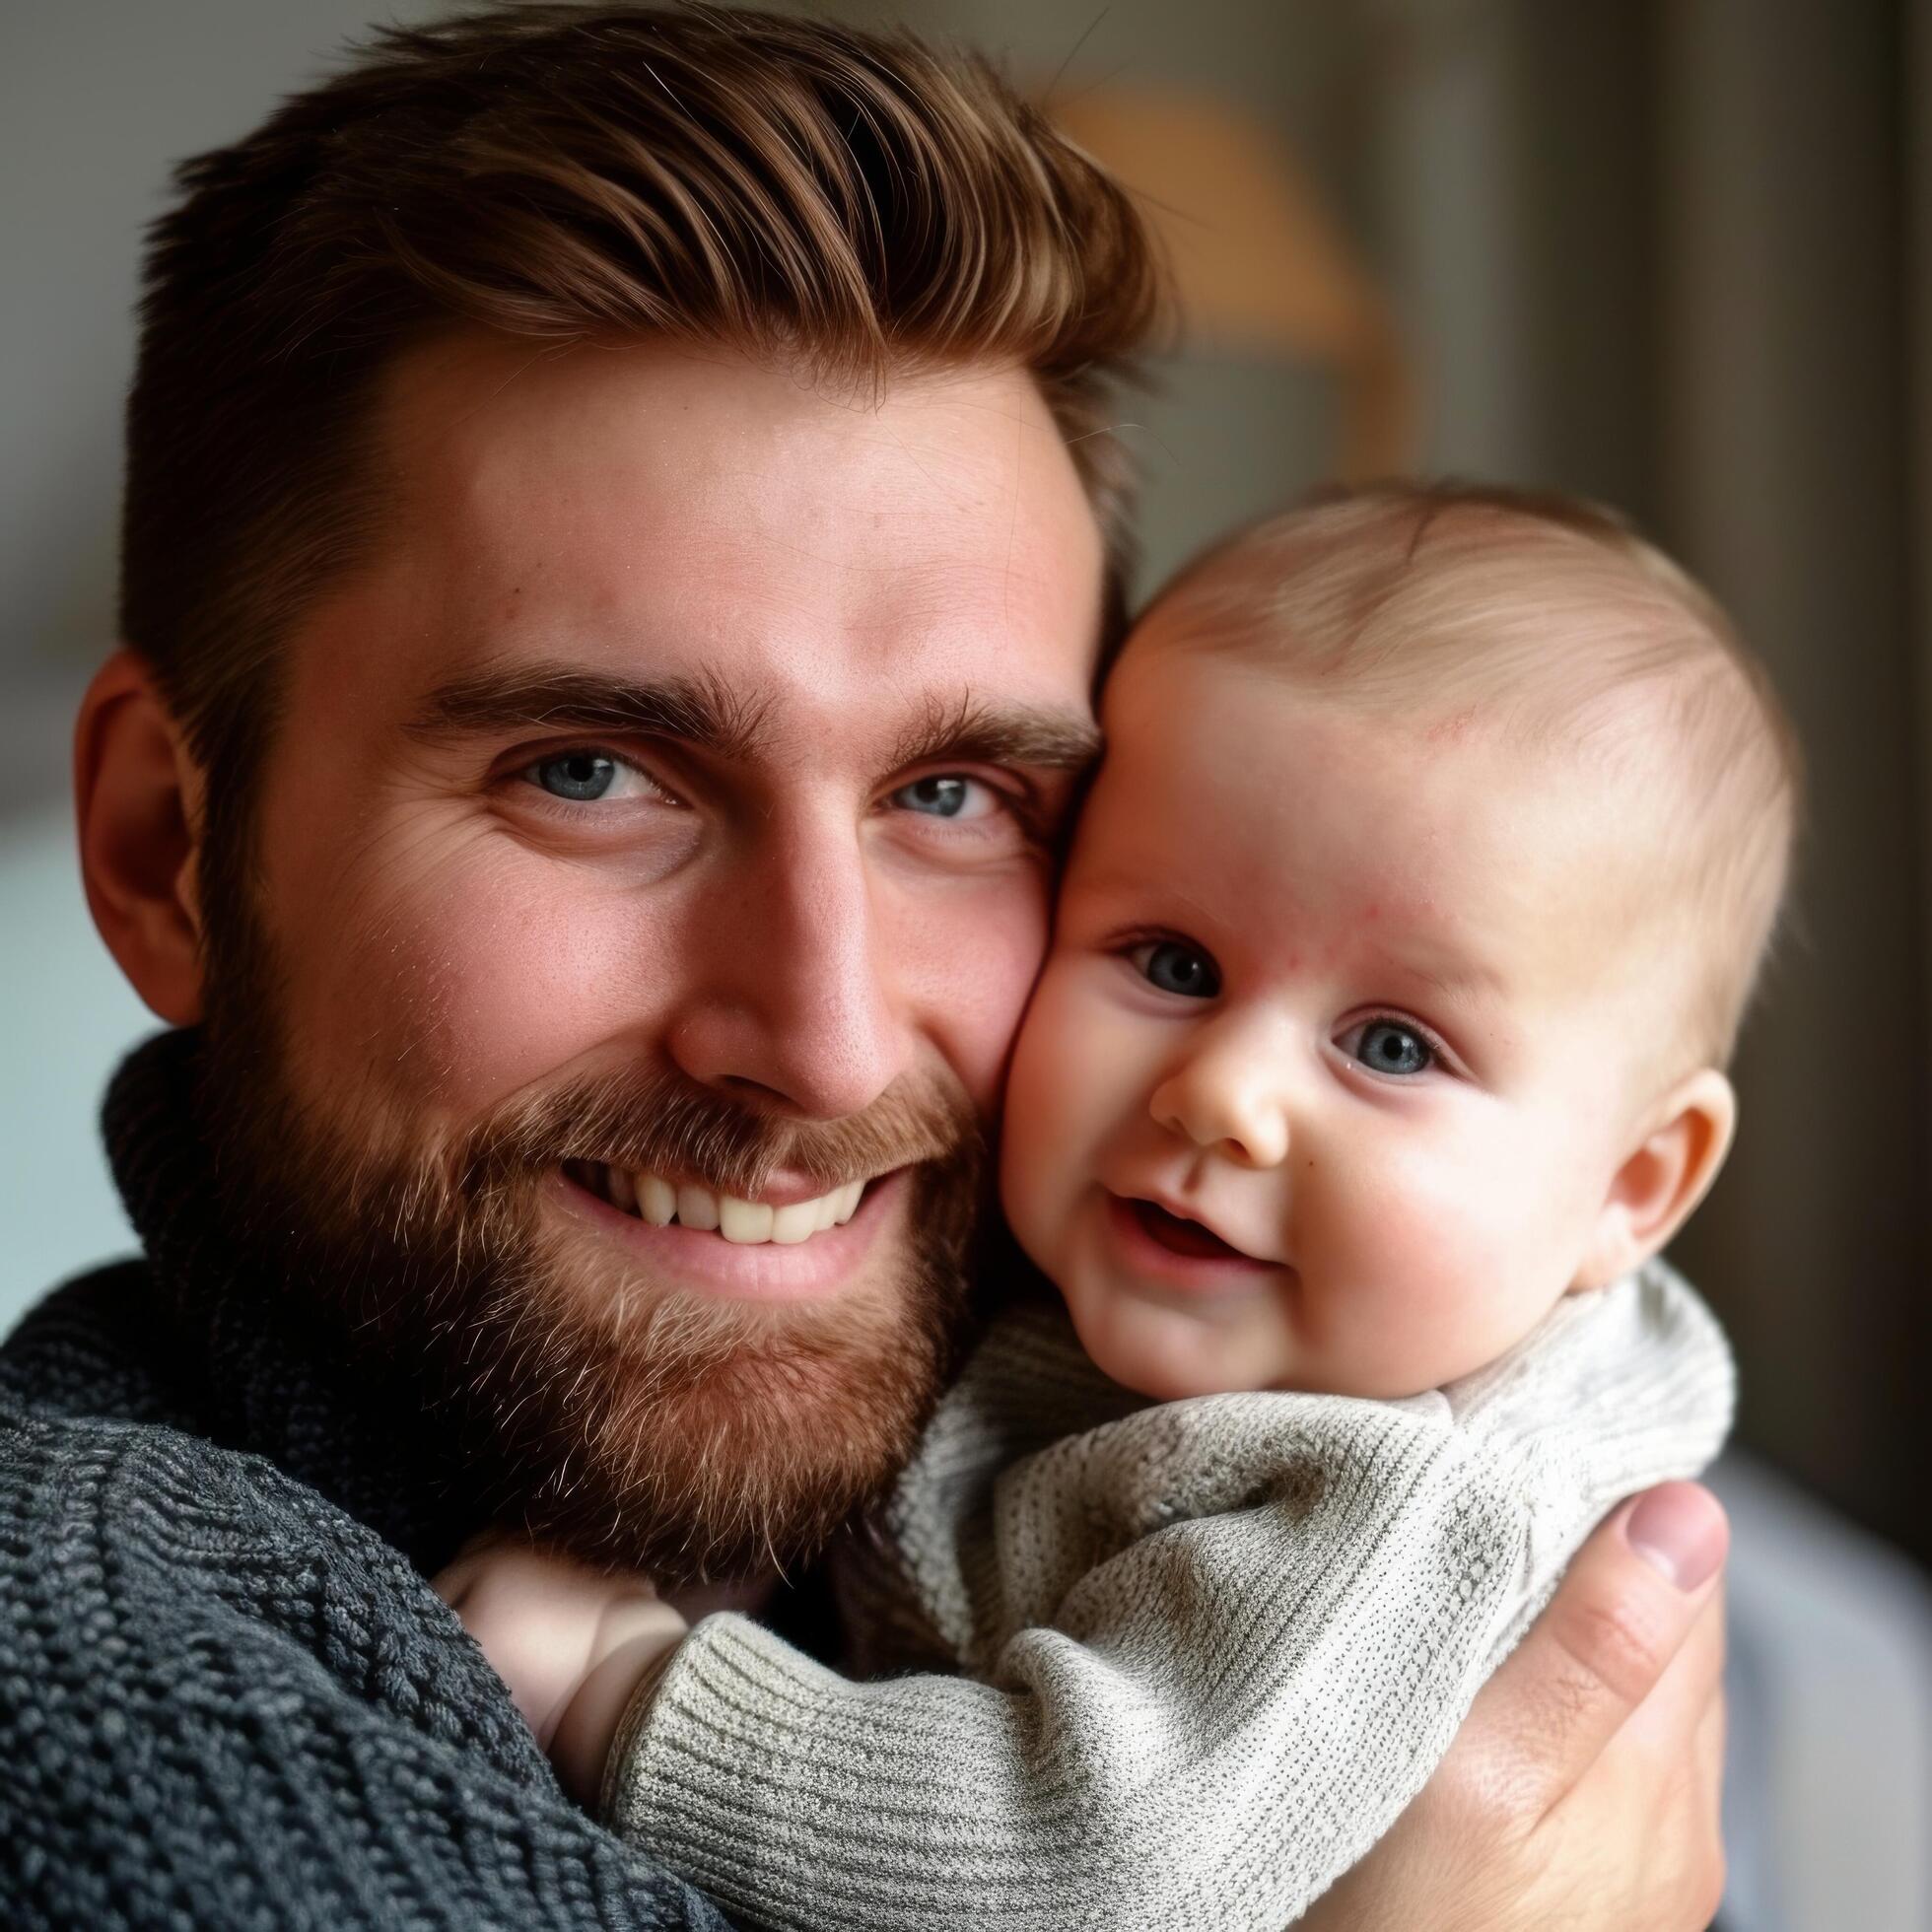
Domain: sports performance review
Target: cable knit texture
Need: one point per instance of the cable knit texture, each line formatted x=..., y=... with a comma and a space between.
x=228, y=1694
x=1212, y=1647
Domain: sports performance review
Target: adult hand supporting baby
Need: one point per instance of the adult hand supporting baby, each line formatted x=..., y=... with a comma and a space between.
x=1583, y=1788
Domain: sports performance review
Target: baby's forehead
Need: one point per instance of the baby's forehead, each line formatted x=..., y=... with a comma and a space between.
x=1597, y=667
x=1537, y=827
x=1549, y=625
x=1269, y=793
x=1501, y=613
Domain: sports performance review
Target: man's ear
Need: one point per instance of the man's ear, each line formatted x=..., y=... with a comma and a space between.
x=137, y=798
x=1686, y=1137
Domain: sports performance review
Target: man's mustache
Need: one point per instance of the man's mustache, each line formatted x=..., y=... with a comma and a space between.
x=661, y=1122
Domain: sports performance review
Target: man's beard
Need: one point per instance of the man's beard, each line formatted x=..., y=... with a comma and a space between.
x=685, y=1436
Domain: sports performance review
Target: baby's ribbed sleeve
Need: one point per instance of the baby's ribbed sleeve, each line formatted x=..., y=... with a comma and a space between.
x=1219, y=1644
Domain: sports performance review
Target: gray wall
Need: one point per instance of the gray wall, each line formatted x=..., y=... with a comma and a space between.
x=97, y=100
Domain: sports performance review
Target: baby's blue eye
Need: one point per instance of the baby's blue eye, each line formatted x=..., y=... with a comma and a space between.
x=576, y=775
x=1177, y=967
x=1390, y=1047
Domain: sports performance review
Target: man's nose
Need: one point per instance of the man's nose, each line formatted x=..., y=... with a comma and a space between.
x=787, y=1001
x=1229, y=1097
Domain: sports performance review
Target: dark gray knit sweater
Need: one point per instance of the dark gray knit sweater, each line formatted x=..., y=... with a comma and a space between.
x=228, y=1694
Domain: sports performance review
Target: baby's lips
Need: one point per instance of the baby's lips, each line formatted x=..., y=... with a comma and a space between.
x=1180, y=1228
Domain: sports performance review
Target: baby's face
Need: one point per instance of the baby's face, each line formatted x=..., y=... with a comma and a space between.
x=1334, y=1057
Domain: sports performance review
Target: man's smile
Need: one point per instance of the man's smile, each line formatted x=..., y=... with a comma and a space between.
x=717, y=1244
x=782, y=1214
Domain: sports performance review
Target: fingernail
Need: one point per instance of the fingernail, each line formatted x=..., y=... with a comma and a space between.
x=1679, y=1529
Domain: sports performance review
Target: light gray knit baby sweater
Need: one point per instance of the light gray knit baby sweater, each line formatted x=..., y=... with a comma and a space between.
x=1210, y=1650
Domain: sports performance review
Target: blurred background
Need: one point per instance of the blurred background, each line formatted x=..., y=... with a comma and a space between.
x=1676, y=255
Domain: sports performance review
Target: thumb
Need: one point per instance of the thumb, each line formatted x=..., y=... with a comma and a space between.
x=1623, y=1613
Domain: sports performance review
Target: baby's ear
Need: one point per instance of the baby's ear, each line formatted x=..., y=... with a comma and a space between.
x=1684, y=1139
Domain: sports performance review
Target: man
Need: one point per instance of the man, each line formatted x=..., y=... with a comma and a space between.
x=619, y=540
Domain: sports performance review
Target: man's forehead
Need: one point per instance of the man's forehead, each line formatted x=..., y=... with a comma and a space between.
x=668, y=505
x=480, y=427
x=538, y=569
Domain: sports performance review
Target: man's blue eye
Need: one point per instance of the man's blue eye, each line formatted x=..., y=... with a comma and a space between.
x=1388, y=1046
x=946, y=794
x=1176, y=967
x=576, y=775
x=938, y=798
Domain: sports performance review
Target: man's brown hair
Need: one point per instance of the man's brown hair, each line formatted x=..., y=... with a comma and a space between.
x=850, y=202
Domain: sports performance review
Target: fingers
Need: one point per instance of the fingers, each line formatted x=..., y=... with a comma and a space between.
x=1673, y=1746
x=1665, y=1726
x=1710, y=1752
x=1673, y=1749
x=1624, y=1611
x=451, y=1582
x=633, y=1651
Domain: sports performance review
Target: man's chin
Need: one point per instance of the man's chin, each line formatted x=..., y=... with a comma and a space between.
x=694, y=1431
x=651, y=1396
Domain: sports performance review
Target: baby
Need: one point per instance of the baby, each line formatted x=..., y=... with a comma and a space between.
x=1404, y=939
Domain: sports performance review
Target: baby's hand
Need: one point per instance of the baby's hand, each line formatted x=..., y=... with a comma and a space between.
x=572, y=1643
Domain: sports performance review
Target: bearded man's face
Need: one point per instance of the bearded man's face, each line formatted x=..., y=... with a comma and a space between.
x=662, y=815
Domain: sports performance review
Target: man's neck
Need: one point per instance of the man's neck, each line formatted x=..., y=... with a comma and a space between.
x=272, y=1376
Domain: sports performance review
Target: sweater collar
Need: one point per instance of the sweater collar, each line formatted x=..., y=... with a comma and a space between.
x=275, y=1378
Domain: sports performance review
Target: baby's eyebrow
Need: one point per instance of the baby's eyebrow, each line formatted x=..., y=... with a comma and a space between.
x=1458, y=977
x=1117, y=880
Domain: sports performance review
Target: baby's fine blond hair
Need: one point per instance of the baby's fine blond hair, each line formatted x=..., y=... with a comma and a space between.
x=1549, y=619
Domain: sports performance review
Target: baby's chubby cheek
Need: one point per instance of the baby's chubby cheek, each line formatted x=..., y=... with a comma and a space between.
x=1437, y=1259
x=1065, y=1098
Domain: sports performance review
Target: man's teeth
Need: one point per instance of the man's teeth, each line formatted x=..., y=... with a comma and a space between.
x=697, y=1208
x=746, y=1223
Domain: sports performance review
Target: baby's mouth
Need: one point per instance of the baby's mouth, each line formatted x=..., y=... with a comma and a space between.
x=1180, y=1236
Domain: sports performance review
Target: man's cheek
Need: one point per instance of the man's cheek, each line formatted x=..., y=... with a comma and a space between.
x=965, y=960
x=521, y=992
x=486, y=978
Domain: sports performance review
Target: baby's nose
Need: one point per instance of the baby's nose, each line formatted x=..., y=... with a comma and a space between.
x=1227, y=1108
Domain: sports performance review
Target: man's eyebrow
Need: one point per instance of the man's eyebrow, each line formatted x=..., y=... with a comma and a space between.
x=993, y=733
x=552, y=696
